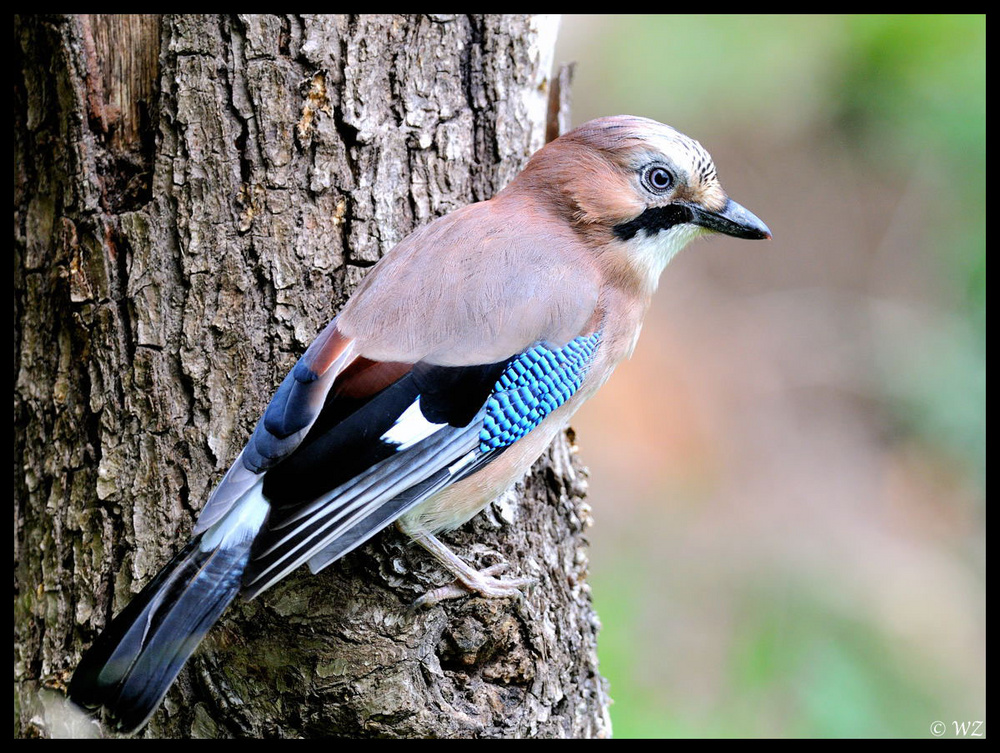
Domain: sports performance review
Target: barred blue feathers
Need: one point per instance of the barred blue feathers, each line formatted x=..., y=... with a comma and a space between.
x=534, y=384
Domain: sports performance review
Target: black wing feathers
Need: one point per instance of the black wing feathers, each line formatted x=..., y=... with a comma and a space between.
x=345, y=439
x=335, y=452
x=455, y=394
x=135, y=660
x=346, y=480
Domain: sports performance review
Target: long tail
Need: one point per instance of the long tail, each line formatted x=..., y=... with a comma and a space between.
x=135, y=660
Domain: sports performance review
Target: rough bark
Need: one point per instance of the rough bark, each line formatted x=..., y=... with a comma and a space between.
x=186, y=219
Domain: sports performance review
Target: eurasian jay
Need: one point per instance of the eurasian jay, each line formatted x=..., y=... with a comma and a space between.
x=447, y=373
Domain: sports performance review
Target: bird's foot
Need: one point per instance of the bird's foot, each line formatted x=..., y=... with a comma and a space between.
x=481, y=582
x=467, y=578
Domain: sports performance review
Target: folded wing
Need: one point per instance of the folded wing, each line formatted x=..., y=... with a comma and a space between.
x=377, y=450
x=420, y=381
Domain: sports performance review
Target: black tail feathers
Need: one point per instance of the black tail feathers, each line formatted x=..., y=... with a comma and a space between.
x=135, y=660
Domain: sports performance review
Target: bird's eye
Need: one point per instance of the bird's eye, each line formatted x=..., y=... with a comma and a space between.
x=657, y=178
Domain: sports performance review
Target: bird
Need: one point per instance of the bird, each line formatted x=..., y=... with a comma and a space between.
x=444, y=376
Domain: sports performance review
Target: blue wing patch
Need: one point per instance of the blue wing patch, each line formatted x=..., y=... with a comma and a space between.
x=534, y=384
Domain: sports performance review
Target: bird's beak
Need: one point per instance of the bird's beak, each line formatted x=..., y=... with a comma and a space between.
x=733, y=219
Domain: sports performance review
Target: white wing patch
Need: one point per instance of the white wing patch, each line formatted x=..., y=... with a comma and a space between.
x=410, y=428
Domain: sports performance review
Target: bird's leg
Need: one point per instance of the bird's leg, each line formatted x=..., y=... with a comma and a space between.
x=468, y=578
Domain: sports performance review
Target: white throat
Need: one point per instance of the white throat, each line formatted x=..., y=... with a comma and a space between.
x=650, y=253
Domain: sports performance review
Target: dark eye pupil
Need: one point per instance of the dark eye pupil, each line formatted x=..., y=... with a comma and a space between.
x=659, y=178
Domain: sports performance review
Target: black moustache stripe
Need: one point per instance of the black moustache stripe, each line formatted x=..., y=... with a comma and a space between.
x=654, y=220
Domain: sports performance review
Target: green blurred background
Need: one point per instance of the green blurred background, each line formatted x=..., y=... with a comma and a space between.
x=788, y=478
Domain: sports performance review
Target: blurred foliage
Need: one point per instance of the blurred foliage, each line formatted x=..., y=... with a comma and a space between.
x=915, y=88
x=795, y=668
x=912, y=91
x=906, y=96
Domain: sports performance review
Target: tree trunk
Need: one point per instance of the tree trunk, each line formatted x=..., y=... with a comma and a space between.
x=194, y=198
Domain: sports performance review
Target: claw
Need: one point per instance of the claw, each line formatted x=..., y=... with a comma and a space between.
x=483, y=584
x=468, y=579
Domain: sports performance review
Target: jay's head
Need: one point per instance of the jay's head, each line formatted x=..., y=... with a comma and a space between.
x=638, y=186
